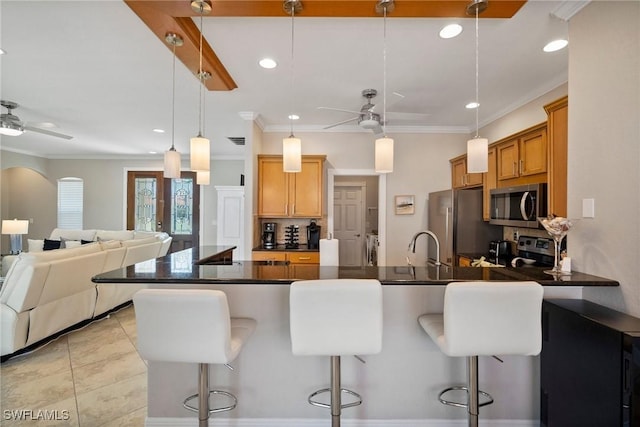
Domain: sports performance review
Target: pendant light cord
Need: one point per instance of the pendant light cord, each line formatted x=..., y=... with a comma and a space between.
x=384, y=73
x=201, y=78
x=173, y=98
x=477, y=73
x=293, y=12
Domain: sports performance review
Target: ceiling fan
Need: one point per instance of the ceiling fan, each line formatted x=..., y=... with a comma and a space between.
x=12, y=126
x=368, y=119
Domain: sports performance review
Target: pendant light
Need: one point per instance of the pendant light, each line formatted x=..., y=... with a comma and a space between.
x=477, y=148
x=200, y=147
x=292, y=146
x=172, y=156
x=384, y=145
x=203, y=177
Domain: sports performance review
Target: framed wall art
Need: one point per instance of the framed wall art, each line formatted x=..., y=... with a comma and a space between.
x=405, y=205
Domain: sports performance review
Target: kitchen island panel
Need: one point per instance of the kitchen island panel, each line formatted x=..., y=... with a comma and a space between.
x=400, y=383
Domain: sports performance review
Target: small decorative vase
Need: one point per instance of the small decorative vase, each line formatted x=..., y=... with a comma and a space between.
x=557, y=227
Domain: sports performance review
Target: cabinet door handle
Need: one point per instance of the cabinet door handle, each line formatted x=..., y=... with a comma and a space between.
x=286, y=209
x=293, y=209
x=305, y=258
x=521, y=166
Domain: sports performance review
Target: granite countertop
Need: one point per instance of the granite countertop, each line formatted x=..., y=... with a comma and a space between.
x=182, y=267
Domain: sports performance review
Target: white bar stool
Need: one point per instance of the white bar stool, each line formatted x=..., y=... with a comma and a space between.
x=191, y=326
x=485, y=319
x=336, y=317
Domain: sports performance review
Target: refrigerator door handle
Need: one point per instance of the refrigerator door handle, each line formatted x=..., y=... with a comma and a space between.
x=447, y=256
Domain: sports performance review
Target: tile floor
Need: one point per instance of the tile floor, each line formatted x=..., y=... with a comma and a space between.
x=94, y=374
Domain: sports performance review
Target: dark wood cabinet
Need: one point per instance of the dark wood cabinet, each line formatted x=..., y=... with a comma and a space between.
x=589, y=366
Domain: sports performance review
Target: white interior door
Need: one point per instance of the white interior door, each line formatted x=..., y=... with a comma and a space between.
x=348, y=223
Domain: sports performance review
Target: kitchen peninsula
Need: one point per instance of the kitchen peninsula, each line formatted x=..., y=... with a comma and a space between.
x=399, y=386
x=206, y=265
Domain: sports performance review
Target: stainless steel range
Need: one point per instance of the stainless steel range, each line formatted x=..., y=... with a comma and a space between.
x=534, y=251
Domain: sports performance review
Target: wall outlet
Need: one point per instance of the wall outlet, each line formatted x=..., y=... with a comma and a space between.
x=515, y=236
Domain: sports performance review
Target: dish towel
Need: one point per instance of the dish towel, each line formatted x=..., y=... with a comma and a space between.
x=329, y=252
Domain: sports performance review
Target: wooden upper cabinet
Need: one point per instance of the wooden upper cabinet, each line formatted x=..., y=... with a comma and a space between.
x=273, y=187
x=558, y=134
x=459, y=176
x=522, y=155
x=490, y=182
x=285, y=195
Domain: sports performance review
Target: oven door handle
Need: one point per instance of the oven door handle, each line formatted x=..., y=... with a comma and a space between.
x=523, y=206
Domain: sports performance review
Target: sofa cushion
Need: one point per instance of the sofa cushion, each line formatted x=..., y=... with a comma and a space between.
x=52, y=244
x=57, y=233
x=110, y=244
x=139, y=242
x=47, y=256
x=103, y=235
x=35, y=245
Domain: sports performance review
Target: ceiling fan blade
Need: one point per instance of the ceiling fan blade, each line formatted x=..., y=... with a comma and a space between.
x=47, y=132
x=339, y=109
x=342, y=122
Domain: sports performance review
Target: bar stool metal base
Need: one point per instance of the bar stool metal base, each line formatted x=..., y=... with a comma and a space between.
x=473, y=393
x=203, y=395
x=336, y=391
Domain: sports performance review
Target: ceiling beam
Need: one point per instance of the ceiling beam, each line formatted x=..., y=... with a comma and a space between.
x=175, y=16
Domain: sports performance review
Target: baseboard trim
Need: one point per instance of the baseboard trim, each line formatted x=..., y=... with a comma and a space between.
x=346, y=422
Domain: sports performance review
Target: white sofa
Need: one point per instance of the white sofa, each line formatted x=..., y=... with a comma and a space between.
x=47, y=292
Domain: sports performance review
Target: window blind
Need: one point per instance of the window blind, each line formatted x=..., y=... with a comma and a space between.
x=70, y=203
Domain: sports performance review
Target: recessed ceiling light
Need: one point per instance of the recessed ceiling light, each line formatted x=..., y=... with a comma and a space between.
x=158, y=130
x=472, y=105
x=268, y=63
x=294, y=117
x=2, y=52
x=555, y=45
x=450, y=31
x=153, y=152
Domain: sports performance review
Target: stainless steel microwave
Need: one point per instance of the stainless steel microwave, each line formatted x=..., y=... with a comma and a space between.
x=519, y=206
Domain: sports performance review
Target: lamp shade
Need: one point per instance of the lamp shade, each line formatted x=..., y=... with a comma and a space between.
x=15, y=226
x=200, y=154
x=477, y=155
x=171, y=164
x=291, y=154
x=384, y=155
x=203, y=177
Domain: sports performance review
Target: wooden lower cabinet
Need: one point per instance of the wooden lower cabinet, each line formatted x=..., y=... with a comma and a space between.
x=302, y=265
x=304, y=257
x=268, y=256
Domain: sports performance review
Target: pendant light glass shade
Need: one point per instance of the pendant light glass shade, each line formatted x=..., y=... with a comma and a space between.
x=384, y=155
x=171, y=163
x=203, y=177
x=200, y=154
x=291, y=154
x=477, y=155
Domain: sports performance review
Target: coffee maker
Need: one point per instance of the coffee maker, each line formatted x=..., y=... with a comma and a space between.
x=313, y=235
x=269, y=235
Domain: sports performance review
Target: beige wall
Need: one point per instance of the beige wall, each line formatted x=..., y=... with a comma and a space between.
x=604, y=147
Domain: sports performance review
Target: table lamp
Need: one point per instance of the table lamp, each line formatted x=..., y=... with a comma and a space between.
x=15, y=228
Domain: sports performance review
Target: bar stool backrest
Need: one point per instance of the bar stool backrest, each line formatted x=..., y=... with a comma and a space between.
x=184, y=325
x=336, y=317
x=492, y=318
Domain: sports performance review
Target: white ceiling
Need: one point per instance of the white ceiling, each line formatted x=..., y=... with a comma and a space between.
x=94, y=69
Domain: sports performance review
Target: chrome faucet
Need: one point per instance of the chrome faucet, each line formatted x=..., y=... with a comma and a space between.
x=412, y=245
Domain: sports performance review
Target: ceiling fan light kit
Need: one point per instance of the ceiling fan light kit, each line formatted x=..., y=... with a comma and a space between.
x=477, y=148
x=292, y=146
x=172, y=156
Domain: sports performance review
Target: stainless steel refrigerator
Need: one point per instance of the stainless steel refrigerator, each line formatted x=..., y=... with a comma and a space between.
x=455, y=216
